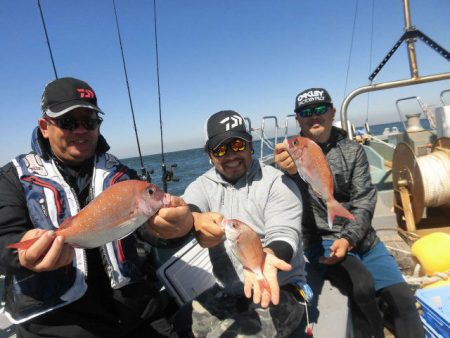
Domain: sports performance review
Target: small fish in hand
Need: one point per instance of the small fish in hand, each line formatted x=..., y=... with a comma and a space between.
x=112, y=215
x=313, y=168
x=247, y=246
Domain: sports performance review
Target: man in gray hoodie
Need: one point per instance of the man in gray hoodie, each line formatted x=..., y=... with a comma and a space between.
x=242, y=188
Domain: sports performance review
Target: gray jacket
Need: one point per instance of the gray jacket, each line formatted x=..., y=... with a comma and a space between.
x=352, y=188
x=265, y=199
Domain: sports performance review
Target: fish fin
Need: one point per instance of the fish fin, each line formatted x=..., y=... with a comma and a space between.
x=23, y=245
x=334, y=208
x=303, y=175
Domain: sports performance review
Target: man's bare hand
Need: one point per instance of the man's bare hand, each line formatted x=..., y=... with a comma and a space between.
x=339, y=250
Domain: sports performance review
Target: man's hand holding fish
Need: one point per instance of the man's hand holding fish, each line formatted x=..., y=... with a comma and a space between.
x=172, y=221
x=264, y=295
x=47, y=253
x=208, y=229
x=284, y=160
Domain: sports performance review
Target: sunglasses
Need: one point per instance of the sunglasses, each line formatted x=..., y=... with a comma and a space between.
x=69, y=123
x=310, y=111
x=237, y=145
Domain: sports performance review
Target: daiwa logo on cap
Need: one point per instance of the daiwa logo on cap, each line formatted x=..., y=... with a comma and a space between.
x=224, y=125
x=231, y=122
x=86, y=93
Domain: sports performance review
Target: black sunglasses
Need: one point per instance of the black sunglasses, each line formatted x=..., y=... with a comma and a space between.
x=317, y=110
x=69, y=123
x=237, y=145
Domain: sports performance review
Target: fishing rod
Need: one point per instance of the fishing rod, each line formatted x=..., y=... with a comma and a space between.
x=167, y=175
x=145, y=175
x=48, y=40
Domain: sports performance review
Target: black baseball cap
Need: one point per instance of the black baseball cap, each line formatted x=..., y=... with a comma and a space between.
x=224, y=125
x=65, y=94
x=312, y=96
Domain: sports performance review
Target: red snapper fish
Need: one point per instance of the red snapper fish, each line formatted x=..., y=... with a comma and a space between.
x=313, y=168
x=246, y=245
x=112, y=215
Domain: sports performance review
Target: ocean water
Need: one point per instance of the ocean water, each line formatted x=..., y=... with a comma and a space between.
x=192, y=163
x=189, y=163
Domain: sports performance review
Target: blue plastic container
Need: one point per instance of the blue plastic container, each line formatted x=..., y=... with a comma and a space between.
x=435, y=303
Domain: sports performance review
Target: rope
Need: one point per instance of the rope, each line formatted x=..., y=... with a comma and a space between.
x=435, y=170
x=427, y=280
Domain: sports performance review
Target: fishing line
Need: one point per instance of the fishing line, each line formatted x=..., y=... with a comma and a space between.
x=351, y=48
x=48, y=40
x=144, y=174
x=167, y=176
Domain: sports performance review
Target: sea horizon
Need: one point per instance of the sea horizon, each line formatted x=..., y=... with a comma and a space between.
x=191, y=163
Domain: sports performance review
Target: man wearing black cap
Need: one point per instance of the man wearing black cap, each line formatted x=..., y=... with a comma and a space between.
x=356, y=260
x=53, y=289
x=240, y=187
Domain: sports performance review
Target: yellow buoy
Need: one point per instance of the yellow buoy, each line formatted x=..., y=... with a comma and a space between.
x=433, y=252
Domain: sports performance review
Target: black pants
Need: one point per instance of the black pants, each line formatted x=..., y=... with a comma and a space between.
x=352, y=277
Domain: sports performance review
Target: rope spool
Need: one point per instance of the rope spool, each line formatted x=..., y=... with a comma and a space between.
x=427, y=177
x=435, y=170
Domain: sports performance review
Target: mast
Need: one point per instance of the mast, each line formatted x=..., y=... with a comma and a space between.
x=410, y=35
x=410, y=44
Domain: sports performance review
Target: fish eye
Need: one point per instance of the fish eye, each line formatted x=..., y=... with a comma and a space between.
x=295, y=142
x=151, y=191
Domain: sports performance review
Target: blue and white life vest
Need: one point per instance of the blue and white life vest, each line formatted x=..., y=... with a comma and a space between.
x=50, y=200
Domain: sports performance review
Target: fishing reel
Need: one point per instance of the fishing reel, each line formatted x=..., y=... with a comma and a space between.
x=146, y=175
x=168, y=175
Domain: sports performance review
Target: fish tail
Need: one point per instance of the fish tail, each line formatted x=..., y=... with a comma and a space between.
x=23, y=245
x=263, y=284
x=262, y=281
x=334, y=208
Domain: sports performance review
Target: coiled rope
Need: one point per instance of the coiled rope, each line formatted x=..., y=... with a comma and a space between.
x=435, y=170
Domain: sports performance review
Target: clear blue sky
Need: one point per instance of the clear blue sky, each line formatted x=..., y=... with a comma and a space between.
x=247, y=55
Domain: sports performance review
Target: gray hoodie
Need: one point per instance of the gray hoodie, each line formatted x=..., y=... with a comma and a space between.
x=265, y=199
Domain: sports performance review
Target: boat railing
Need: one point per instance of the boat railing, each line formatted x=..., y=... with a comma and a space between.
x=442, y=96
x=424, y=107
x=261, y=132
x=269, y=134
